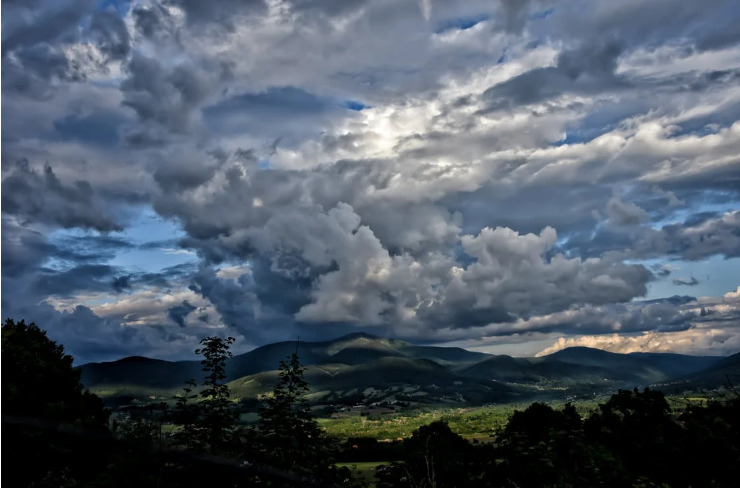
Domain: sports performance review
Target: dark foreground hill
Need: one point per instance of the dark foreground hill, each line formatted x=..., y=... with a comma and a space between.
x=361, y=368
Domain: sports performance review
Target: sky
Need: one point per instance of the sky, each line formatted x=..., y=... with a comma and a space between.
x=508, y=176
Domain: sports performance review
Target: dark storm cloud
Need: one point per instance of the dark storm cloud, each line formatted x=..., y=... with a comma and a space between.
x=58, y=20
x=23, y=249
x=645, y=24
x=110, y=33
x=295, y=109
x=178, y=175
x=122, y=283
x=284, y=294
x=586, y=70
x=94, y=128
x=34, y=58
x=221, y=12
x=149, y=20
x=686, y=282
x=419, y=169
x=178, y=313
x=31, y=70
x=234, y=300
x=89, y=248
x=35, y=197
x=167, y=97
x=82, y=278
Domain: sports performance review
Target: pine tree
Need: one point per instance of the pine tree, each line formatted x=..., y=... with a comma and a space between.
x=208, y=417
x=290, y=436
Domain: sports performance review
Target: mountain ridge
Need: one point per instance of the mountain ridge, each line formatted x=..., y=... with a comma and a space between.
x=383, y=369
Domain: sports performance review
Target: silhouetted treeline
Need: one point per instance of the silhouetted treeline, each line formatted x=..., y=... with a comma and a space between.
x=57, y=434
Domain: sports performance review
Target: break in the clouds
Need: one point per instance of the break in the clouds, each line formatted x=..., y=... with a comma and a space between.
x=531, y=174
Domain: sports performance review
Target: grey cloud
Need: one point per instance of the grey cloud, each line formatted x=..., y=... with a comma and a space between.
x=122, y=283
x=34, y=57
x=234, y=300
x=168, y=97
x=639, y=23
x=684, y=282
x=149, y=21
x=585, y=70
x=24, y=249
x=56, y=20
x=621, y=213
x=418, y=216
x=720, y=235
x=178, y=313
x=99, y=127
x=67, y=283
x=222, y=12
x=31, y=70
x=516, y=14
x=36, y=197
x=111, y=35
x=620, y=318
x=298, y=113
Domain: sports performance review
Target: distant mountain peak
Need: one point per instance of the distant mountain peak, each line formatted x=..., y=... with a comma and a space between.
x=356, y=335
x=363, y=340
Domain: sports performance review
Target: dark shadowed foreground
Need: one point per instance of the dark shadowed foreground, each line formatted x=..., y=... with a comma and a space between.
x=57, y=434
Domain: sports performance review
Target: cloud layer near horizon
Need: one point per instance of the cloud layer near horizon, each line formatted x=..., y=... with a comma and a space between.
x=479, y=172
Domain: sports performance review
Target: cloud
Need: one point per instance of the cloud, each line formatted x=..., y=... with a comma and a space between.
x=428, y=170
x=683, y=282
x=712, y=328
x=698, y=342
x=178, y=313
x=35, y=197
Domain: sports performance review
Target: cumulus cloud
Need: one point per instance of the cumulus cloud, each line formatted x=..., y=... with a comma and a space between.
x=711, y=327
x=427, y=170
x=41, y=197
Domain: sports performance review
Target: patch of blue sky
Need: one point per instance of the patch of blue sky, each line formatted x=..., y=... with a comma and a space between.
x=543, y=14
x=120, y=6
x=354, y=105
x=584, y=133
x=710, y=123
x=684, y=214
x=601, y=120
x=99, y=128
x=460, y=23
x=153, y=244
x=156, y=239
x=263, y=164
x=715, y=276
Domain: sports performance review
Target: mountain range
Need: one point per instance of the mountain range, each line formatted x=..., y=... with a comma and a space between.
x=361, y=368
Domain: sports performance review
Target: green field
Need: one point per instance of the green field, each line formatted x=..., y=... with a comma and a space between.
x=364, y=472
x=472, y=423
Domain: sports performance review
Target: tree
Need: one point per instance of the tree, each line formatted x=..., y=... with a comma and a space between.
x=637, y=428
x=49, y=419
x=40, y=383
x=208, y=417
x=541, y=446
x=290, y=438
x=711, y=443
x=433, y=457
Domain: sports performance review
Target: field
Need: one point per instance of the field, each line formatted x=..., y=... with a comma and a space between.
x=474, y=423
x=363, y=472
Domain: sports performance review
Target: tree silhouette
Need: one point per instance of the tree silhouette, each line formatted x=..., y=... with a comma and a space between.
x=40, y=383
x=639, y=429
x=289, y=437
x=50, y=421
x=208, y=417
x=433, y=457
